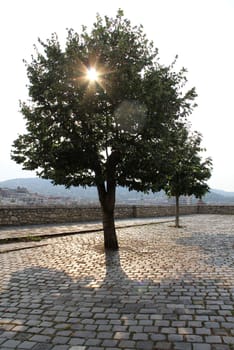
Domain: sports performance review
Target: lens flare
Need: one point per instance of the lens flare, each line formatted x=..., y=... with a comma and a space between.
x=92, y=74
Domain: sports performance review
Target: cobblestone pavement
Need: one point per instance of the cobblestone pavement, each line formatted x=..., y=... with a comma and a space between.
x=166, y=288
x=23, y=237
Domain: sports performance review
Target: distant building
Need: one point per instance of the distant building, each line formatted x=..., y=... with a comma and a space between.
x=21, y=196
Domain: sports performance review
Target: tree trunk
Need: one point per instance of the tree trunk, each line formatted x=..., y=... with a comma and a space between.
x=107, y=201
x=106, y=193
x=110, y=238
x=177, y=214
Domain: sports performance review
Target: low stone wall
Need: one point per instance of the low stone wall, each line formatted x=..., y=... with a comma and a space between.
x=216, y=209
x=48, y=215
x=163, y=210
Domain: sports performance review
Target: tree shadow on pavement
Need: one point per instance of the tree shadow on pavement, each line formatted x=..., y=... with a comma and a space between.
x=218, y=249
x=110, y=308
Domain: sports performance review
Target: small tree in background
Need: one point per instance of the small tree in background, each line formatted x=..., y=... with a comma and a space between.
x=99, y=112
x=189, y=172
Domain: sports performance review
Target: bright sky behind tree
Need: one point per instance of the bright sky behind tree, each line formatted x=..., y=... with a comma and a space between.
x=200, y=32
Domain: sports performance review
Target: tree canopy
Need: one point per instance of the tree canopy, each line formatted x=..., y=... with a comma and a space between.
x=108, y=130
x=189, y=170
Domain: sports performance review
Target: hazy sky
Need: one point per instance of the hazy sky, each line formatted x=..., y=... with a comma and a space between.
x=200, y=31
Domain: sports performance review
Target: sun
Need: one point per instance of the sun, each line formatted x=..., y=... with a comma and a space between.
x=92, y=74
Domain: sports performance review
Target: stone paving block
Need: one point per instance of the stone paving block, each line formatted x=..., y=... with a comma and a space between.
x=180, y=324
x=65, y=333
x=99, y=322
x=194, y=324
x=115, y=322
x=76, y=341
x=11, y=343
x=203, y=318
x=144, y=345
x=135, y=329
x=109, y=343
x=121, y=335
x=35, y=330
x=120, y=328
x=227, y=325
x=60, y=340
x=93, y=342
x=157, y=337
x=228, y=340
x=229, y=319
x=49, y=331
x=31, y=322
x=182, y=346
x=162, y=323
x=26, y=345
x=186, y=317
x=150, y=329
x=193, y=338
x=40, y=338
x=140, y=336
x=91, y=327
x=123, y=344
x=106, y=327
x=175, y=338
x=8, y=335
x=220, y=331
x=202, y=331
x=162, y=346
x=185, y=330
x=42, y=346
x=168, y=330
x=200, y=346
x=156, y=317
x=212, y=324
x=213, y=339
x=105, y=335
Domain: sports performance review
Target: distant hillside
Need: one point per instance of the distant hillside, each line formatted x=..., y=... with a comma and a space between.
x=224, y=193
x=219, y=196
x=45, y=187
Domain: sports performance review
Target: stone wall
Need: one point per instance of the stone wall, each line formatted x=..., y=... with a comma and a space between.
x=163, y=210
x=216, y=209
x=48, y=215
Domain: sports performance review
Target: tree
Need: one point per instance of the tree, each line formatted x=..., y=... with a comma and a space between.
x=98, y=108
x=189, y=171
